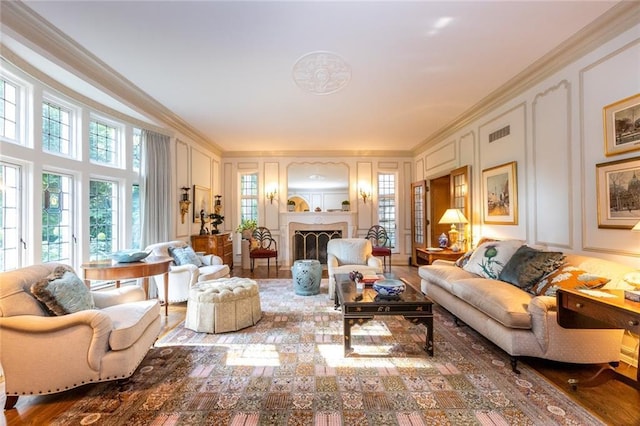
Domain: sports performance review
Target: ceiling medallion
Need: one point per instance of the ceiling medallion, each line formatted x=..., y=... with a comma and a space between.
x=321, y=73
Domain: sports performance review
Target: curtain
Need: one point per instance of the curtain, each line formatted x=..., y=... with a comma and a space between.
x=155, y=191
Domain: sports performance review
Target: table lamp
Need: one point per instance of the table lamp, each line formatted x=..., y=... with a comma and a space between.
x=453, y=216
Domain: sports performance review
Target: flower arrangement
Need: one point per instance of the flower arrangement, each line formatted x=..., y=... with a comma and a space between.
x=247, y=225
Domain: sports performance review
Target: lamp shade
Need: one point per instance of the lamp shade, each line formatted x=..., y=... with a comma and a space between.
x=453, y=216
x=636, y=227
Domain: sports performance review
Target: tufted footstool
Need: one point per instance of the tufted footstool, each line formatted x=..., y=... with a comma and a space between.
x=222, y=305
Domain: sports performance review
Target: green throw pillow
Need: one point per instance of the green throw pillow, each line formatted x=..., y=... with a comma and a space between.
x=62, y=292
x=528, y=265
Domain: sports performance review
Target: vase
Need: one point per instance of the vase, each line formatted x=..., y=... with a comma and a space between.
x=443, y=241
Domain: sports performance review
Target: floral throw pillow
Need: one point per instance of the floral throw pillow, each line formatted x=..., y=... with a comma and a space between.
x=489, y=258
x=567, y=276
x=464, y=259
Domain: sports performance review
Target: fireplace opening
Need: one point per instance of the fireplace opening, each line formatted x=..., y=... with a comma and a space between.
x=309, y=244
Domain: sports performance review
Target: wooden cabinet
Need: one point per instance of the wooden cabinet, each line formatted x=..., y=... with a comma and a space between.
x=219, y=244
x=424, y=256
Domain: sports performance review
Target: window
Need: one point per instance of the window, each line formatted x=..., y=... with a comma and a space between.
x=10, y=215
x=56, y=129
x=103, y=143
x=249, y=196
x=387, y=204
x=136, y=230
x=57, y=231
x=8, y=110
x=103, y=213
x=137, y=149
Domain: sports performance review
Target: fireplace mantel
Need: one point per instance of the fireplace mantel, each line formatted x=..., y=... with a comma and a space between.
x=290, y=222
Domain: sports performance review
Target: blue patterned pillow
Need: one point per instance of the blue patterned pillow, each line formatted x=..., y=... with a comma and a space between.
x=185, y=256
x=63, y=292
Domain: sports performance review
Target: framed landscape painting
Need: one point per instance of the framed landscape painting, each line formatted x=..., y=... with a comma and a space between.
x=500, y=194
x=622, y=126
x=618, y=187
x=201, y=201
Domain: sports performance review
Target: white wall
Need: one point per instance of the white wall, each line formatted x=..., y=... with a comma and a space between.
x=557, y=140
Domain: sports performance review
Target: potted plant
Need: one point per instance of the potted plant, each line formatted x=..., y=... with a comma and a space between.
x=291, y=205
x=345, y=205
x=246, y=228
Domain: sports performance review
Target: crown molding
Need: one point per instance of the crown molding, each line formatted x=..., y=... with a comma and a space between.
x=53, y=44
x=612, y=23
x=315, y=154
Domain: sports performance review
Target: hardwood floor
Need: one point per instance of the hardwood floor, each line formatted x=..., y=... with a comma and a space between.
x=615, y=402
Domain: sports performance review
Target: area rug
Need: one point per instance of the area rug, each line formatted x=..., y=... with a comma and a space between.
x=289, y=369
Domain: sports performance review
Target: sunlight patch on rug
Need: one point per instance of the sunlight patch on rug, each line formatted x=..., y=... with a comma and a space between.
x=289, y=369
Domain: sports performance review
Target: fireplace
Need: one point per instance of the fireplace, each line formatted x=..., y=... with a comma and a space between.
x=309, y=226
x=312, y=244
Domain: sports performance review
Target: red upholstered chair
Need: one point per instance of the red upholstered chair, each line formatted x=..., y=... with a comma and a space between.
x=264, y=247
x=380, y=243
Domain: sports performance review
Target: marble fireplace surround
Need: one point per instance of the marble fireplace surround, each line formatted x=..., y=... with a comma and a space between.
x=313, y=221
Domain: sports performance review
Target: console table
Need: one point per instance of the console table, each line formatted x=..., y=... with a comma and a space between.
x=109, y=270
x=577, y=309
x=425, y=255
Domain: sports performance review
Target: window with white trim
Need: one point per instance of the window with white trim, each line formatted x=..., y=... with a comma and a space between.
x=104, y=146
x=103, y=218
x=10, y=214
x=9, y=109
x=56, y=129
x=387, y=205
x=249, y=196
x=57, y=226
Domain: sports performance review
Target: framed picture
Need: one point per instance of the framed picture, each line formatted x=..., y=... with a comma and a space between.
x=500, y=195
x=622, y=126
x=201, y=201
x=618, y=194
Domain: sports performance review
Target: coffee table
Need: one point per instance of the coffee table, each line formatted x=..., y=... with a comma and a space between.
x=360, y=306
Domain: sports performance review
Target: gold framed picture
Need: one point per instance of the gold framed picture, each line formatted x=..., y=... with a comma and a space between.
x=500, y=195
x=618, y=193
x=622, y=126
x=201, y=202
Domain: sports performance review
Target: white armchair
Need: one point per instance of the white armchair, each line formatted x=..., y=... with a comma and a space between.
x=350, y=254
x=43, y=354
x=183, y=277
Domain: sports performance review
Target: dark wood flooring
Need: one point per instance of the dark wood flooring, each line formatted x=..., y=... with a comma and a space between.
x=615, y=402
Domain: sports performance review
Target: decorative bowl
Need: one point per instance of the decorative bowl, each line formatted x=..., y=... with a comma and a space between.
x=388, y=287
x=129, y=256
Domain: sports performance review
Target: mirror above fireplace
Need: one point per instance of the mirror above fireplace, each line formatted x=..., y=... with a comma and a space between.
x=319, y=185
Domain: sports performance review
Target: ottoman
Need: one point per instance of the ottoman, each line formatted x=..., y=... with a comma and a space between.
x=222, y=305
x=306, y=277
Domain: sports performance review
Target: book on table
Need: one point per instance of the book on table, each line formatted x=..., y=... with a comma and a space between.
x=371, y=278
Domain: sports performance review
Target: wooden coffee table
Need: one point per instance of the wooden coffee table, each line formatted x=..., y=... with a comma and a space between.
x=359, y=307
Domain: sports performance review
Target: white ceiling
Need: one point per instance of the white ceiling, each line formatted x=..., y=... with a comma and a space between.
x=226, y=68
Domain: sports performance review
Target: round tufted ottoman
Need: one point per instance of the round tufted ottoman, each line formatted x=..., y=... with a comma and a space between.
x=222, y=305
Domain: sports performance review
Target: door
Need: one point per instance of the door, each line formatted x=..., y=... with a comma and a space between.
x=439, y=202
x=418, y=218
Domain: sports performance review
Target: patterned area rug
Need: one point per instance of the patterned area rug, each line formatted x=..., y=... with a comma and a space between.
x=289, y=369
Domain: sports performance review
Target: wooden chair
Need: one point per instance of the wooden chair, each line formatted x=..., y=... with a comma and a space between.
x=380, y=243
x=266, y=247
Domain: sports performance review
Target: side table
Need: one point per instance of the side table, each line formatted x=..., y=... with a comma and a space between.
x=427, y=257
x=110, y=270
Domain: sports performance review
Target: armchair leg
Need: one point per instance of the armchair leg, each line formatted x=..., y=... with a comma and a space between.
x=10, y=402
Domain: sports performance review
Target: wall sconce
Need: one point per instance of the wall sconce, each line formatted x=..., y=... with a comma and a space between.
x=364, y=195
x=184, y=203
x=271, y=195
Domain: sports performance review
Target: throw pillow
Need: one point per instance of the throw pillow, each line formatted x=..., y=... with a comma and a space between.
x=528, y=265
x=185, y=256
x=567, y=276
x=464, y=259
x=490, y=257
x=62, y=292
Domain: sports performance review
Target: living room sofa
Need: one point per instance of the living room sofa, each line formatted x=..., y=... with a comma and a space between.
x=519, y=322
x=45, y=352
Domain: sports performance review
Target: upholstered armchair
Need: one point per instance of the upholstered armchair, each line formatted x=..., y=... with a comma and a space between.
x=350, y=254
x=44, y=353
x=183, y=276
